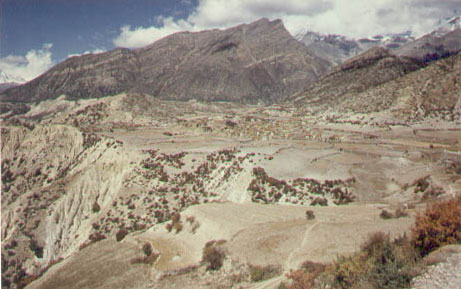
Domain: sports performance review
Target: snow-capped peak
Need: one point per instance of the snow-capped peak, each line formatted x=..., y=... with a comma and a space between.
x=6, y=78
x=448, y=25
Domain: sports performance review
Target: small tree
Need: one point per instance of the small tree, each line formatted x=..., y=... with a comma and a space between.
x=213, y=255
x=310, y=215
x=147, y=248
x=120, y=235
x=386, y=215
x=95, y=208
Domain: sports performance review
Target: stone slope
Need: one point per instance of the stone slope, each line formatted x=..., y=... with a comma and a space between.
x=377, y=81
x=432, y=91
x=338, y=48
x=370, y=69
x=253, y=62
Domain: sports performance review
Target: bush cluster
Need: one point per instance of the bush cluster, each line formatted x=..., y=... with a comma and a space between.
x=149, y=255
x=260, y=273
x=305, y=277
x=383, y=262
x=438, y=225
x=213, y=255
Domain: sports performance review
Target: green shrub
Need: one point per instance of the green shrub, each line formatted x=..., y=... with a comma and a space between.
x=260, y=273
x=381, y=263
x=95, y=208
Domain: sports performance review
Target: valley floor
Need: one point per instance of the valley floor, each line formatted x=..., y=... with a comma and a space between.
x=242, y=174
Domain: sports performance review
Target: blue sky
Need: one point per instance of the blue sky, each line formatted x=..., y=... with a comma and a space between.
x=76, y=26
x=37, y=34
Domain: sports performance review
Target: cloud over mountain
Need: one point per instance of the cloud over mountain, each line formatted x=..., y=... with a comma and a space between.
x=34, y=63
x=354, y=18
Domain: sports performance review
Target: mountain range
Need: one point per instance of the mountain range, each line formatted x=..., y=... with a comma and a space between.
x=238, y=131
x=6, y=78
x=442, y=42
x=338, y=48
x=258, y=62
x=8, y=81
x=249, y=63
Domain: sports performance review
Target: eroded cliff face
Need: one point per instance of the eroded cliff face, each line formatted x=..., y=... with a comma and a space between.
x=52, y=178
x=65, y=189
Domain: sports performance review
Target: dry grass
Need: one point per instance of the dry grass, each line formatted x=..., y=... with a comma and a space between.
x=260, y=273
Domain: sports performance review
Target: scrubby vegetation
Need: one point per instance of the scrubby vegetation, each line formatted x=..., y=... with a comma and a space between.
x=399, y=213
x=213, y=255
x=149, y=255
x=305, y=277
x=265, y=189
x=438, y=225
x=260, y=273
x=386, y=215
x=120, y=235
x=310, y=215
x=383, y=262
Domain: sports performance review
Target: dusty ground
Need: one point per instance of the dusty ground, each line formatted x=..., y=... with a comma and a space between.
x=385, y=160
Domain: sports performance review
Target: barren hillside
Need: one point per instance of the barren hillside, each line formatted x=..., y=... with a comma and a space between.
x=248, y=63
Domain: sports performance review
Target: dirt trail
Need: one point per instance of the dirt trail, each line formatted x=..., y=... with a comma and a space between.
x=289, y=262
x=268, y=284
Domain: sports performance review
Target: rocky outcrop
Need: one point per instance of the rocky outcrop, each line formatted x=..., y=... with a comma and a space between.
x=260, y=61
x=51, y=178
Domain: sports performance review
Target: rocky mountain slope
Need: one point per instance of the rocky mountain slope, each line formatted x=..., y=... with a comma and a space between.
x=369, y=69
x=338, y=48
x=5, y=86
x=6, y=78
x=8, y=81
x=260, y=61
x=442, y=42
x=107, y=189
x=433, y=91
x=378, y=81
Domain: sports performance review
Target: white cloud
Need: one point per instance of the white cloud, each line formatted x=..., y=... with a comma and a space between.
x=95, y=51
x=140, y=36
x=34, y=63
x=353, y=18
